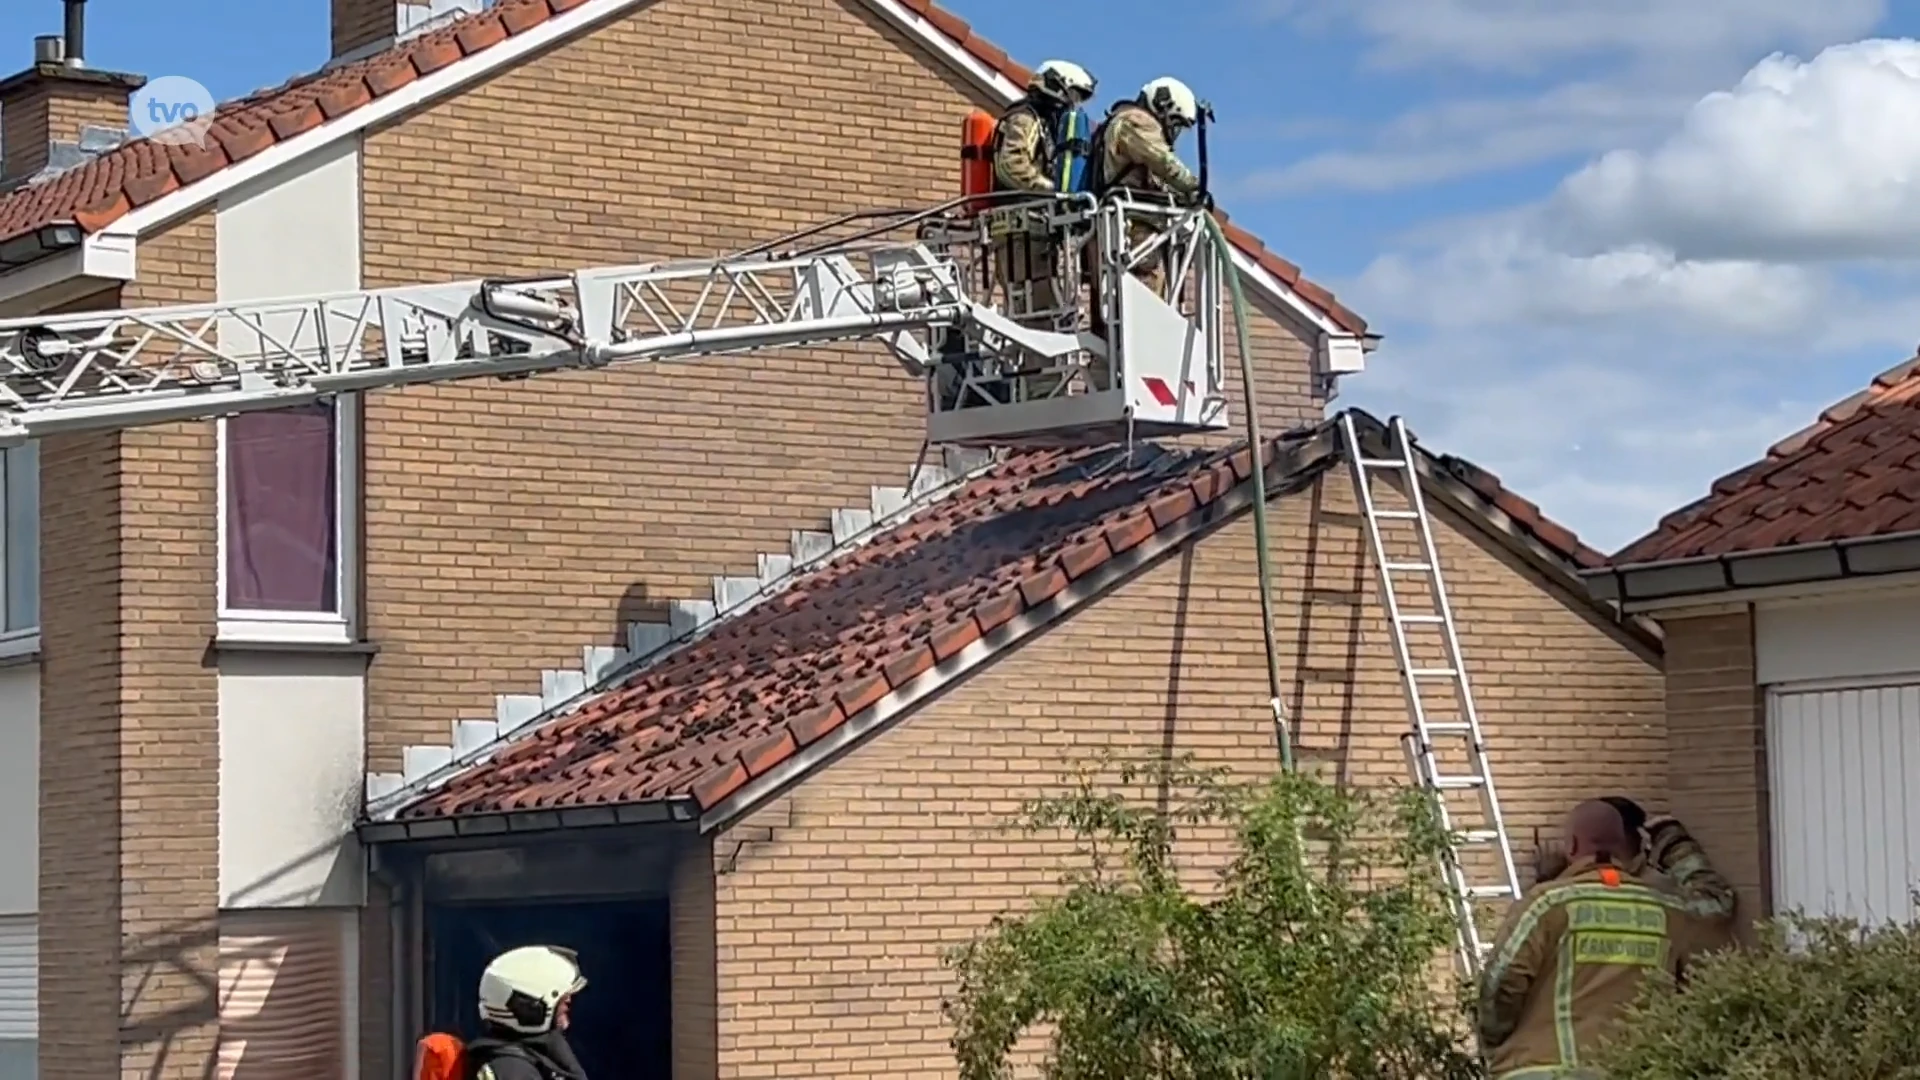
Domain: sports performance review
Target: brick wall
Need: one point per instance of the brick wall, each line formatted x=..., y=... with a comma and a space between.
x=508, y=525
x=1717, y=732
x=830, y=932
x=129, y=796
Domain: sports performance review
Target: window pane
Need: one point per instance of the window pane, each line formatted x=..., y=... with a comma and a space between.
x=23, y=537
x=281, y=505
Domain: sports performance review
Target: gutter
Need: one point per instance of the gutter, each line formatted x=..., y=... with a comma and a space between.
x=518, y=823
x=1709, y=576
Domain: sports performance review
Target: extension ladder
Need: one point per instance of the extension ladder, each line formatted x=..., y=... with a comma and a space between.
x=1436, y=726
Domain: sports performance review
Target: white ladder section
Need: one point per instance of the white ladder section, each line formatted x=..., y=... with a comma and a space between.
x=113, y=369
x=1443, y=719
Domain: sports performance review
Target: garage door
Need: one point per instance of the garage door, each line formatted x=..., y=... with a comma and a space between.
x=1845, y=774
x=19, y=996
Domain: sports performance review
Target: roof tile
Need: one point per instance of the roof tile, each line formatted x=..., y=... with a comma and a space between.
x=1854, y=473
x=97, y=194
x=783, y=674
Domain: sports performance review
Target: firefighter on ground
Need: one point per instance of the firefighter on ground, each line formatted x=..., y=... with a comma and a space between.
x=525, y=997
x=1572, y=954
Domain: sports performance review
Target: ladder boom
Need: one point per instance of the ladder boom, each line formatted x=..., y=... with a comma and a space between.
x=179, y=362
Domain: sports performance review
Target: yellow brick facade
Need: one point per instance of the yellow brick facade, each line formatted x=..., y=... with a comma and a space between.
x=1716, y=718
x=830, y=931
x=129, y=831
x=608, y=494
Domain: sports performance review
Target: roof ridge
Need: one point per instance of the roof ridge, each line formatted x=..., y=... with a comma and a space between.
x=610, y=680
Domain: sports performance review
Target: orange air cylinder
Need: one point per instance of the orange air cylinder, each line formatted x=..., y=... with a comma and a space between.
x=976, y=156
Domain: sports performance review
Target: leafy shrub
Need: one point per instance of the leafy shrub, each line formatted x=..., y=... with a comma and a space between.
x=1817, y=998
x=1309, y=960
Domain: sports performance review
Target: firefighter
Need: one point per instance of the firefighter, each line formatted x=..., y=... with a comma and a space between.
x=526, y=995
x=1133, y=153
x=1027, y=253
x=1023, y=141
x=1613, y=923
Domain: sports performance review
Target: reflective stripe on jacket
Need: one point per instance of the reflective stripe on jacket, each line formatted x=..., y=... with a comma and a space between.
x=1572, y=955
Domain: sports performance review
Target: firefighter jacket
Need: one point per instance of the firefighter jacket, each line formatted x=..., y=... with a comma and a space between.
x=1572, y=954
x=1134, y=153
x=1022, y=151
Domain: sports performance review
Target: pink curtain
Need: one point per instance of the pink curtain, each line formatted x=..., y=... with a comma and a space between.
x=282, y=503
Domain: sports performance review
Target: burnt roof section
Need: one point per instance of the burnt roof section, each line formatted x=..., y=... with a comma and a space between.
x=774, y=680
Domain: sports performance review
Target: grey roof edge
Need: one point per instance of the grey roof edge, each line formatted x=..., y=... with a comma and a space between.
x=1710, y=576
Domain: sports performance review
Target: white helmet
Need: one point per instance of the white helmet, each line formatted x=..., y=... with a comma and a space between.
x=521, y=990
x=1064, y=80
x=1172, y=101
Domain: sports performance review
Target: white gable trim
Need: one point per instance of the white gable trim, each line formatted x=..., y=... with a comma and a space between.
x=1005, y=92
x=99, y=262
x=422, y=91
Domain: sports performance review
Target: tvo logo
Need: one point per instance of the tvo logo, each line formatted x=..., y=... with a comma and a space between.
x=172, y=110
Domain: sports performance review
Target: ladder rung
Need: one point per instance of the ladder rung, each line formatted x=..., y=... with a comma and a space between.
x=1382, y=463
x=1433, y=672
x=1449, y=727
x=1458, y=783
x=1409, y=567
x=1490, y=892
x=1422, y=620
x=1396, y=515
x=1479, y=836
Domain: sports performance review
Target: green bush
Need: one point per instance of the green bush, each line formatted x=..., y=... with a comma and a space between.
x=1298, y=965
x=1817, y=999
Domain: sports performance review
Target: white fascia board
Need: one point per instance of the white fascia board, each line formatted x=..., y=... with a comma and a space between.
x=421, y=92
x=98, y=261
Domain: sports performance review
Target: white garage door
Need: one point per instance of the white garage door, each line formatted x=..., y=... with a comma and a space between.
x=1845, y=768
x=19, y=996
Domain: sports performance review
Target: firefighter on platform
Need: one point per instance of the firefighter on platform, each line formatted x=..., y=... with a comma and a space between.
x=1023, y=142
x=1026, y=251
x=1133, y=153
x=1574, y=951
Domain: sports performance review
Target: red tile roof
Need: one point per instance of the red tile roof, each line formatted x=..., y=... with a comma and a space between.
x=102, y=191
x=783, y=674
x=1854, y=473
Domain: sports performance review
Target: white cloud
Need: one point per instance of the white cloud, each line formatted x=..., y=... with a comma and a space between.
x=1665, y=315
x=1468, y=136
x=1506, y=275
x=1573, y=77
x=1530, y=36
x=1800, y=161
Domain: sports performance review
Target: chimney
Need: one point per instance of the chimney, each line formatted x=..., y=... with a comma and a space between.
x=58, y=111
x=364, y=27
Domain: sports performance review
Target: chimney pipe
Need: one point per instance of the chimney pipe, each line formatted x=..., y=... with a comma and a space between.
x=77, y=32
x=49, y=49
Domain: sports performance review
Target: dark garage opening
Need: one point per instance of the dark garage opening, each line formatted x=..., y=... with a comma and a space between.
x=622, y=1021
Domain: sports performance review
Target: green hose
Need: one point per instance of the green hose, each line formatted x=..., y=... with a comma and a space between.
x=1254, y=448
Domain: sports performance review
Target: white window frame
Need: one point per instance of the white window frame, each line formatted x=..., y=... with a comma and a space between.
x=25, y=640
x=303, y=627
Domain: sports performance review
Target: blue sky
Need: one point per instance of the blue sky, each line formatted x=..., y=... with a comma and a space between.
x=1616, y=247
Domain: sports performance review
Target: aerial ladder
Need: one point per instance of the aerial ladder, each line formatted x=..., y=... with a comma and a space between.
x=1094, y=357
x=999, y=370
